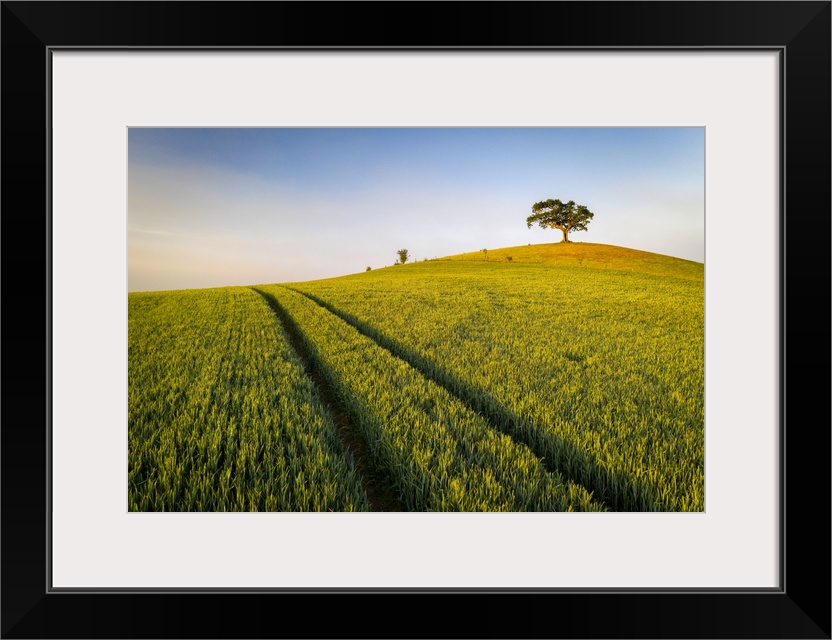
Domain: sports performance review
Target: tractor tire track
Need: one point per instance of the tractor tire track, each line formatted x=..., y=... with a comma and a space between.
x=574, y=464
x=381, y=498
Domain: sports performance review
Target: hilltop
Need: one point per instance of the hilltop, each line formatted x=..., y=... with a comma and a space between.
x=584, y=254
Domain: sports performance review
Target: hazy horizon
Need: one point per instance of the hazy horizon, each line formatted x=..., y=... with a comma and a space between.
x=235, y=206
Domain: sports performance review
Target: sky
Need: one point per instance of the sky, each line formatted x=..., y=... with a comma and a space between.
x=211, y=207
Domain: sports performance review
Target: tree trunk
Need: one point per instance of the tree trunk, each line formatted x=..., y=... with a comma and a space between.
x=565, y=234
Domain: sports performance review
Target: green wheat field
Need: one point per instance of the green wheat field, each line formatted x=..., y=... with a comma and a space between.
x=552, y=377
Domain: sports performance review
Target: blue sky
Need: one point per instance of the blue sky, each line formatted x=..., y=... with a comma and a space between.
x=217, y=207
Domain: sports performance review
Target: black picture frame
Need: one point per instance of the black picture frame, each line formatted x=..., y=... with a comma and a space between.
x=799, y=31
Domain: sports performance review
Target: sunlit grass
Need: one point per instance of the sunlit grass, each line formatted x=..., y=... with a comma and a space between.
x=221, y=416
x=436, y=453
x=599, y=370
x=477, y=383
x=588, y=255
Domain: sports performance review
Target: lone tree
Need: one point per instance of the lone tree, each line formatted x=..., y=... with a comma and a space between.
x=402, y=255
x=556, y=215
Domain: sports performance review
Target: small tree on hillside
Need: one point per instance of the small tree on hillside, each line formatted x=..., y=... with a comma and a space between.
x=402, y=255
x=554, y=214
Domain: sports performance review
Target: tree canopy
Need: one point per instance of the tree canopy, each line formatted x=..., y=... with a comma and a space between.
x=554, y=214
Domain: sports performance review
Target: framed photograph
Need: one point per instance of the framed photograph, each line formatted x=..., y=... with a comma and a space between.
x=113, y=111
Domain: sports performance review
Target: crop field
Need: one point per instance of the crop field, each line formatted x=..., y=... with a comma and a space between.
x=540, y=378
x=222, y=416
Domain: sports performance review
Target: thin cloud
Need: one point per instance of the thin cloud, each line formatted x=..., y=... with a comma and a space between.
x=155, y=232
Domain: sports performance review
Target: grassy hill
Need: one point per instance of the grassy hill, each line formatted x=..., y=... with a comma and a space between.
x=570, y=377
x=591, y=355
x=582, y=254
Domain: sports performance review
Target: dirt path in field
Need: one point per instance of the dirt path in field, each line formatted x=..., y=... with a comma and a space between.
x=381, y=498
